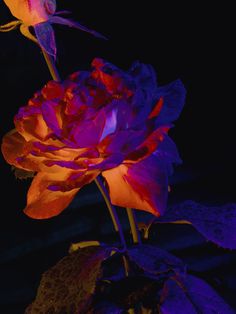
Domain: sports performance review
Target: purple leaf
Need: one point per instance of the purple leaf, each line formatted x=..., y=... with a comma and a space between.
x=193, y=297
x=45, y=35
x=204, y=298
x=217, y=224
x=154, y=260
x=174, y=300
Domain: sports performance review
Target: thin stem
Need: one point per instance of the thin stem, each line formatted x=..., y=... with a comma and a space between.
x=133, y=225
x=112, y=210
x=51, y=66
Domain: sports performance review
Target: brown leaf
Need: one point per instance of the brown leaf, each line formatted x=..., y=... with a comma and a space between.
x=68, y=286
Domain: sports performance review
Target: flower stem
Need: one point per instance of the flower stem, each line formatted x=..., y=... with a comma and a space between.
x=133, y=225
x=112, y=210
x=51, y=66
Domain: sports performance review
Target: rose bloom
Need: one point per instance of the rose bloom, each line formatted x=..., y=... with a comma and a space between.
x=105, y=121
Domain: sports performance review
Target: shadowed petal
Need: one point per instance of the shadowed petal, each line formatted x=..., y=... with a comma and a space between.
x=43, y=203
x=142, y=186
x=174, y=97
x=144, y=76
x=12, y=147
x=45, y=35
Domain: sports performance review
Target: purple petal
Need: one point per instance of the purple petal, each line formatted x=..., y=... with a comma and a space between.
x=51, y=115
x=88, y=133
x=45, y=35
x=167, y=151
x=174, y=98
x=144, y=76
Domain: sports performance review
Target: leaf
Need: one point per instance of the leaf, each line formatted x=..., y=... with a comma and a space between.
x=217, y=224
x=205, y=299
x=155, y=261
x=194, y=297
x=174, y=300
x=68, y=286
x=131, y=292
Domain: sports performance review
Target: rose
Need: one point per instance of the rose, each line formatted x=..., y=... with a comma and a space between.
x=103, y=121
x=40, y=14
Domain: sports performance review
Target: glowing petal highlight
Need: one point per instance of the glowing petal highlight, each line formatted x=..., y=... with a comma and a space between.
x=13, y=147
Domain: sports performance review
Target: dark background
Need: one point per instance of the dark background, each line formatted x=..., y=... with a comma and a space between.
x=186, y=40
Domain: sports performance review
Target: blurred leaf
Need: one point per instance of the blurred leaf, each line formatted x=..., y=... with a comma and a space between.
x=155, y=261
x=194, y=297
x=217, y=224
x=68, y=286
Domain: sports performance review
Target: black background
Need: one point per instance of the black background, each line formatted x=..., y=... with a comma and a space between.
x=186, y=40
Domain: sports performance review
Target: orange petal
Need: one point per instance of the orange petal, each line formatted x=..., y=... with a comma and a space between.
x=43, y=203
x=16, y=151
x=141, y=186
x=30, y=12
